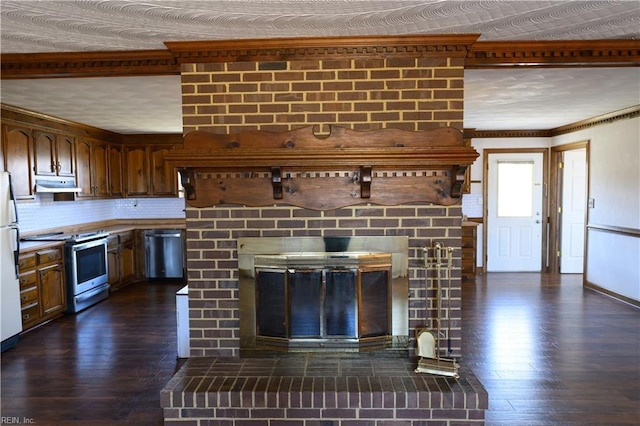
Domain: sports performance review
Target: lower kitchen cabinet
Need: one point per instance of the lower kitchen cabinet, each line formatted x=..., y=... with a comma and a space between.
x=42, y=285
x=121, y=254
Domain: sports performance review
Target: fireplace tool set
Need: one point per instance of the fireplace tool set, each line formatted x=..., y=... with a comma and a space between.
x=429, y=340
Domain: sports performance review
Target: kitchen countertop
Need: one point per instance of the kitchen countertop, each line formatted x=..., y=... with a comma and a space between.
x=110, y=227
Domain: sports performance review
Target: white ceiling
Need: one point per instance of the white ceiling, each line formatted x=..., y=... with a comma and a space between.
x=495, y=99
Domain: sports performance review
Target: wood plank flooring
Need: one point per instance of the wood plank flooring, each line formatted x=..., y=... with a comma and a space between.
x=550, y=352
x=547, y=351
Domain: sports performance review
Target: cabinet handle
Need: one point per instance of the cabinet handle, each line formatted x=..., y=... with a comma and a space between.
x=24, y=297
x=25, y=316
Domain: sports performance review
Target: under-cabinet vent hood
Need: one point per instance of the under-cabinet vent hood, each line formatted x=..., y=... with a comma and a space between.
x=56, y=184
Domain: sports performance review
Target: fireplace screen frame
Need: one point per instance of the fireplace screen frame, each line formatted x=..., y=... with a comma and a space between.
x=281, y=256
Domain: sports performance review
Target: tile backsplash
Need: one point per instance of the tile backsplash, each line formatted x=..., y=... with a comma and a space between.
x=44, y=213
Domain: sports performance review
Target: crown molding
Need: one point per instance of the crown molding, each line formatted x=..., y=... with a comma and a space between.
x=476, y=54
x=608, y=118
x=88, y=64
x=557, y=53
x=282, y=49
x=476, y=134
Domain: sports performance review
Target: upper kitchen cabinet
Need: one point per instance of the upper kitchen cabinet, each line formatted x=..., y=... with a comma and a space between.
x=147, y=172
x=101, y=169
x=137, y=165
x=17, y=144
x=83, y=170
x=116, y=170
x=54, y=154
x=97, y=171
x=163, y=176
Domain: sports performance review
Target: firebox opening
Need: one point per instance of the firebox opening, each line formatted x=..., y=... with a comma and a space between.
x=308, y=294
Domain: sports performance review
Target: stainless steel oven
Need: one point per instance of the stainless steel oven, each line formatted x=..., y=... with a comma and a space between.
x=86, y=269
x=86, y=273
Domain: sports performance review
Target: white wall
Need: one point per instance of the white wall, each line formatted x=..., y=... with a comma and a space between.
x=613, y=259
x=44, y=213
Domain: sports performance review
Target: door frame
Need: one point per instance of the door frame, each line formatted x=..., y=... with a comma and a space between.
x=486, y=153
x=555, y=201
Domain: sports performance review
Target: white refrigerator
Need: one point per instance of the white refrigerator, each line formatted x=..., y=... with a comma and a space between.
x=10, y=316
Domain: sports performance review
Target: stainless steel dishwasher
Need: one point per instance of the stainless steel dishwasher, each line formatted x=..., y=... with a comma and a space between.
x=164, y=249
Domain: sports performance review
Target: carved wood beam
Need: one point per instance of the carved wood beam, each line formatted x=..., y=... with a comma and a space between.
x=386, y=167
x=483, y=54
x=88, y=64
x=283, y=49
x=475, y=54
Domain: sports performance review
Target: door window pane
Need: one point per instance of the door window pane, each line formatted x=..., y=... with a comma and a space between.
x=515, y=189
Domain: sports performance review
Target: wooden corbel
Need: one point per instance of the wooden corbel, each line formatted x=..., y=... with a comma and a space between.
x=365, y=181
x=187, y=179
x=276, y=182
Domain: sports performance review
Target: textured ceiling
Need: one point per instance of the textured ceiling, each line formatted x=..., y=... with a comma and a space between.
x=92, y=25
x=496, y=99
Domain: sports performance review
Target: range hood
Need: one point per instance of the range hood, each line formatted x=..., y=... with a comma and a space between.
x=56, y=184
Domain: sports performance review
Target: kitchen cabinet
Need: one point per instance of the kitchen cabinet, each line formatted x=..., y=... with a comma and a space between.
x=100, y=152
x=469, y=249
x=147, y=172
x=83, y=168
x=121, y=255
x=99, y=169
x=137, y=165
x=17, y=144
x=163, y=176
x=115, y=171
x=54, y=154
x=42, y=285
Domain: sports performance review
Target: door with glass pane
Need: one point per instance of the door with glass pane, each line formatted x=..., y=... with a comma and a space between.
x=515, y=216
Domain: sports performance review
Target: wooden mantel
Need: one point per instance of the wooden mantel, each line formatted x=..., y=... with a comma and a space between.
x=348, y=167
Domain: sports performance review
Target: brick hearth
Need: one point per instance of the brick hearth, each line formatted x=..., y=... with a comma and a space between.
x=316, y=389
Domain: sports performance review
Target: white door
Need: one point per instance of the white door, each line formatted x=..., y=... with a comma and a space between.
x=514, y=212
x=572, y=214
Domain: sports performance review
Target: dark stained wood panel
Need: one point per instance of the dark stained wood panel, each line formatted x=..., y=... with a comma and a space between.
x=348, y=167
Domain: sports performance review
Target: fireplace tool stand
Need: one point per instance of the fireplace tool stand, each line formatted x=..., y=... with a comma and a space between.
x=428, y=341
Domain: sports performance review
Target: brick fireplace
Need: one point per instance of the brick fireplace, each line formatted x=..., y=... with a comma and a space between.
x=410, y=84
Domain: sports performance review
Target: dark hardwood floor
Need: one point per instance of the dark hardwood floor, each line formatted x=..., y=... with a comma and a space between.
x=103, y=366
x=547, y=351
x=550, y=352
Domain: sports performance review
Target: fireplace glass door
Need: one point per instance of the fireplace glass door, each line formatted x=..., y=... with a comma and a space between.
x=323, y=306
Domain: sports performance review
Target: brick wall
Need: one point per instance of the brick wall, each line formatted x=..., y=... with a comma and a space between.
x=363, y=94
x=403, y=93
x=213, y=267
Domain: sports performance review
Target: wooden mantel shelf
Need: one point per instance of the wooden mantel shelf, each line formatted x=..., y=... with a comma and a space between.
x=347, y=167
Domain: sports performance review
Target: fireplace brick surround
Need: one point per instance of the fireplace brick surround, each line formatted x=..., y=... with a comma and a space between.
x=410, y=86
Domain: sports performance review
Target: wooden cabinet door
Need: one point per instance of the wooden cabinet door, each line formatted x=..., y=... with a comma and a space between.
x=83, y=168
x=44, y=149
x=65, y=155
x=137, y=171
x=101, y=168
x=52, y=291
x=113, y=266
x=163, y=178
x=115, y=170
x=18, y=156
x=128, y=257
